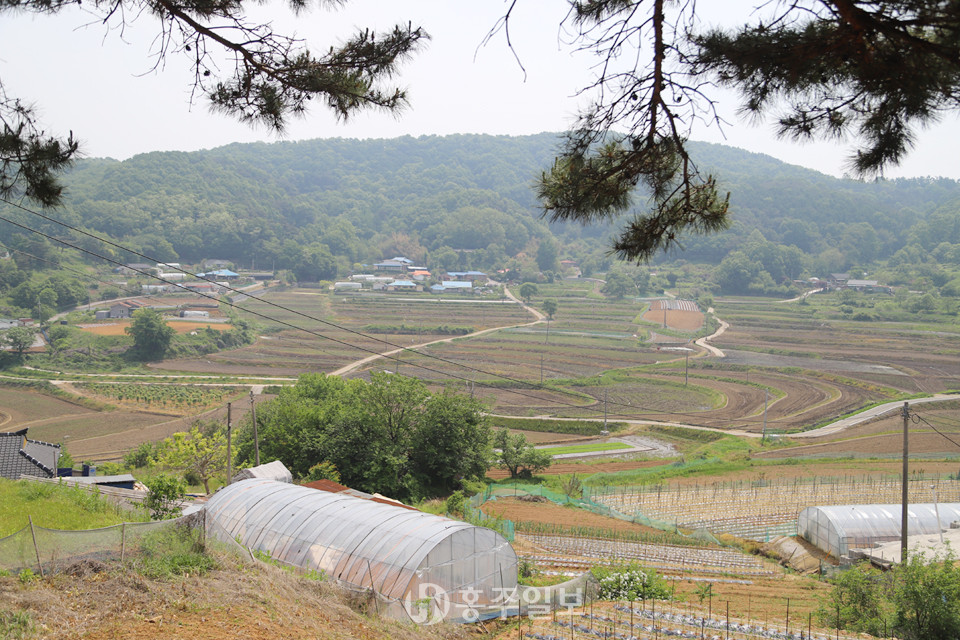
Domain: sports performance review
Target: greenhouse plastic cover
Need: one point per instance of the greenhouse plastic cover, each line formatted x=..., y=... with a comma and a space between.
x=271, y=471
x=394, y=550
x=837, y=529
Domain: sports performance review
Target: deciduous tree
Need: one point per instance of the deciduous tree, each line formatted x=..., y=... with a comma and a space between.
x=202, y=450
x=527, y=291
x=518, y=456
x=19, y=339
x=151, y=334
x=550, y=307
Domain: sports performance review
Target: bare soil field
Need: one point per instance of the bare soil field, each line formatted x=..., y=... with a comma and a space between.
x=95, y=435
x=118, y=327
x=584, y=468
x=549, y=513
x=675, y=319
x=891, y=444
x=20, y=408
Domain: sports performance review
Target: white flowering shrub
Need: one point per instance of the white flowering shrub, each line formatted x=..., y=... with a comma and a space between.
x=630, y=582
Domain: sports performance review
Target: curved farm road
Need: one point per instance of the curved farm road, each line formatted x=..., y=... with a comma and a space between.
x=826, y=430
x=702, y=342
x=342, y=371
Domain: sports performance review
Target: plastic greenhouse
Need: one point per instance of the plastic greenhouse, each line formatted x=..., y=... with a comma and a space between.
x=406, y=556
x=837, y=529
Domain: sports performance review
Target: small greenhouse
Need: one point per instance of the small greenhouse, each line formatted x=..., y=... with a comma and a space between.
x=837, y=529
x=406, y=556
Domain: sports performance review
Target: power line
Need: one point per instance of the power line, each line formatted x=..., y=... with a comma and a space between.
x=84, y=274
x=945, y=436
x=399, y=348
x=328, y=323
x=296, y=327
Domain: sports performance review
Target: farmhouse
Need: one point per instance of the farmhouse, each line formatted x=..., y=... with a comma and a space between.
x=219, y=274
x=124, y=309
x=471, y=276
x=21, y=456
x=868, y=286
x=403, y=285
x=455, y=286
x=208, y=288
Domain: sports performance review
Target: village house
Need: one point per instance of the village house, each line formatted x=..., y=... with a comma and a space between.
x=472, y=276
x=21, y=456
x=124, y=308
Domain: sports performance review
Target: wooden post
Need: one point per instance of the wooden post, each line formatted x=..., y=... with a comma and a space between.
x=787, y=625
x=903, y=497
x=373, y=592
x=256, y=439
x=36, y=549
x=229, y=455
x=123, y=540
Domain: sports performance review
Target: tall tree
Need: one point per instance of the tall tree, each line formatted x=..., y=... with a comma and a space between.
x=151, y=333
x=528, y=290
x=518, y=456
x=202, y=450
x=19, y=339
x=268, y=77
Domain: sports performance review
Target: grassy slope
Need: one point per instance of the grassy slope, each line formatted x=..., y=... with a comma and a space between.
x=55, y=507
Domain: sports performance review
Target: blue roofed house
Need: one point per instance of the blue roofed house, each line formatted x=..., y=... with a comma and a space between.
x=457, y=286
x=219, y=274
x=472, y=276
x=21, y=456
x=403, y=285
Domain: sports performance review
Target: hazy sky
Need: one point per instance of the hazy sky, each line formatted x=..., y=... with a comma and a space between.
x=102, y=84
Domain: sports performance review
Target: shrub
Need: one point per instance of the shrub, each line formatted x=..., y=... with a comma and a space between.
x=165, y=497
x=630, y=582
x=456, y=503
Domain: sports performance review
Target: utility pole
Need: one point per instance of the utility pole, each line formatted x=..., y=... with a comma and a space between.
x=256, y=438
x=604, y=410
x=686, y=369
x=766, y=397
x=229, y=457
x=905, y=413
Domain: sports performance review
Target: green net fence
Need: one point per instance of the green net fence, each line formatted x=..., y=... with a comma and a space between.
x=46, y=551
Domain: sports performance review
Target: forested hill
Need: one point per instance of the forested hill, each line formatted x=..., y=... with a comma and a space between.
x=358, y=200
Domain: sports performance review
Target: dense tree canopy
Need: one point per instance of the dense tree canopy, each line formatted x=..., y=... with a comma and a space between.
x=151, y=333
x=389, y=436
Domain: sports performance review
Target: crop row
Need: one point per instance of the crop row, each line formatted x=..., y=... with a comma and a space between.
x=161, y=395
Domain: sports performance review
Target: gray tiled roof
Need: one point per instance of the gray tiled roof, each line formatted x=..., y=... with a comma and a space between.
x=19, y=456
